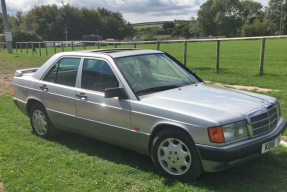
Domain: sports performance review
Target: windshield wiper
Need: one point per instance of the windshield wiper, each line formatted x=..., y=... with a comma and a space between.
x=155, y=89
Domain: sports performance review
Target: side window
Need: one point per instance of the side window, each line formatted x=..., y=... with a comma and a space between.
x=98, y=76
x=64, y=72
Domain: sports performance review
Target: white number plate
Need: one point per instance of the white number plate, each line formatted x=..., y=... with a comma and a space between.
x=271, y=144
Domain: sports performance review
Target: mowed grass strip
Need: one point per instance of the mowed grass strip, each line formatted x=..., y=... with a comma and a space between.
x=77, y=163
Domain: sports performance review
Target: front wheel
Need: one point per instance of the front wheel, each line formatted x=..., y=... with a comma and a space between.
x=41, y=123
x=175, y=155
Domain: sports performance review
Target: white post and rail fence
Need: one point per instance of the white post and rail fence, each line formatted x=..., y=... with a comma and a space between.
x=23, y=47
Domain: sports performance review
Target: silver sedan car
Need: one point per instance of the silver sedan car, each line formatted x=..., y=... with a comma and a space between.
x=147, y=101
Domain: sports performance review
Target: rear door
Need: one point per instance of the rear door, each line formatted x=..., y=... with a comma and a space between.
x=106, y=119
x=57, y=91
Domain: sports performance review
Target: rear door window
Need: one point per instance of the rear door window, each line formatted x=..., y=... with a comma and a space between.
x=64, y=72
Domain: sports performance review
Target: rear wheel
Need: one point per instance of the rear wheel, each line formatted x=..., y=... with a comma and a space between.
x=41, y=123
x=175, y=155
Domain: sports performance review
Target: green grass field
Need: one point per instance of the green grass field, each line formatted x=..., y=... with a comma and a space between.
x=77, y=163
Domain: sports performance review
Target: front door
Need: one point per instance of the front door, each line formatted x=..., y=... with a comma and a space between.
x=106, y=119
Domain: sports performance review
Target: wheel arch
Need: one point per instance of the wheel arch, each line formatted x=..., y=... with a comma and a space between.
x=160, y=127
x=30, y=103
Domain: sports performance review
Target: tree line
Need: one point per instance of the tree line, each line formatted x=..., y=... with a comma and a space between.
x=230, y=18
x=48, y=22
x=233, y=18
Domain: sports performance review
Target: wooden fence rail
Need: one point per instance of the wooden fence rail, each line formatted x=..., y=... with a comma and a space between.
x=135, y=43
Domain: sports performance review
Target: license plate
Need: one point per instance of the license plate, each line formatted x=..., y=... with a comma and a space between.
x=271, y=144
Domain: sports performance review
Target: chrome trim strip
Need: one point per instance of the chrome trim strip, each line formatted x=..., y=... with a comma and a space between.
x=105, y=105
x=25, y=87
x=20, y=100
x=99, y=122
x=124, y=128
x=268, y=125
x=165, y=118
x=147, y=134
x=259, y=121
x=61, y=112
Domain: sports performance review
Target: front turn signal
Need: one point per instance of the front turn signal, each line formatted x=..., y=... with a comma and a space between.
x=216, y=134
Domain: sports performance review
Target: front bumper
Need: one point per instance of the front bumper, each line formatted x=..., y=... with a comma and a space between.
x=220, y=158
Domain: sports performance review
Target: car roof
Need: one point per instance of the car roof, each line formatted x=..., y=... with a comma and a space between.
x=116, y=53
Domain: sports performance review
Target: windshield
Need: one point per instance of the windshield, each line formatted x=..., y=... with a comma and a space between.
x=151, y=73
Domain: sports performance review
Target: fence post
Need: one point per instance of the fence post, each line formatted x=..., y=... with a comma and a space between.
x=33, y=48
x=40, y=49
x=98, y=45
x=217, y=55
x=16, y=48
x=62, y=47
x=26, y=48
x=262, y=56
x=184, y=53
x=116, y=46
x=55, y=51
x=21, y=47
x=158, y=45
x=84, y=46
x=46, y=48
x=135, y=45
x=72, y=46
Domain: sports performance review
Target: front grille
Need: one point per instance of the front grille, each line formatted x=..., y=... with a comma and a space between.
x=264, y=122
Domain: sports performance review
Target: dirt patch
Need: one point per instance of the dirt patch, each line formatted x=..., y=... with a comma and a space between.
x=241, y=87
x=6, y=81
x=284, y=138
x=1, y=187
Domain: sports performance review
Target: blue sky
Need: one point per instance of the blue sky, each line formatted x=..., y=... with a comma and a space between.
x=134, y=11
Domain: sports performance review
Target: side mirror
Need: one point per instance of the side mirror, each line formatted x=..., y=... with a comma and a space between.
x=116, y=92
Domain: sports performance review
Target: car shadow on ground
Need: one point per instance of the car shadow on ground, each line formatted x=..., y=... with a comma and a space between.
x=260, y=174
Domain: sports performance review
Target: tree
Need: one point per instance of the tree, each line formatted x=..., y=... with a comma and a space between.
x=168, y=25
x=206, y=20
x=48, y=22
x=194, y=30
x=219, y=17
x=181, y=29
x=1, y=24
x=273, y=16
x=257, y=28
x=227, y=17
x=250, y=10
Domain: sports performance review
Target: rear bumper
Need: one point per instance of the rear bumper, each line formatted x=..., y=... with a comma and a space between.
x=219, y=158
x=21, y=105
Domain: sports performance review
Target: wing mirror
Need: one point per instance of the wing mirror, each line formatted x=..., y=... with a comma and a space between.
x=116, y=92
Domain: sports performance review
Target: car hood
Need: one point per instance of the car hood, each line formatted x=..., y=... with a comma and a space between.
x=208, y=101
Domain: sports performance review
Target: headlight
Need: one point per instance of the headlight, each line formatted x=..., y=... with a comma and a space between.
x=235, y=131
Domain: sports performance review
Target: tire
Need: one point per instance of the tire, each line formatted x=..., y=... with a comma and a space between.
x=40, y=122
x=174, y=154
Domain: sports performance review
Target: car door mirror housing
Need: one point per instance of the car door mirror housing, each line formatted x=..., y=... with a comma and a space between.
x=116, y=92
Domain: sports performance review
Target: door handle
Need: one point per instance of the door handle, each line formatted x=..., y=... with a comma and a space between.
x=81, y=95
x=44, y=87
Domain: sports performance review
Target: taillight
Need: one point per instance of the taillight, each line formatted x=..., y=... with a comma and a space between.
x=13, y=90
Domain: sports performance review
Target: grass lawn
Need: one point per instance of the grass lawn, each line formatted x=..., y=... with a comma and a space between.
x=77, y=163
